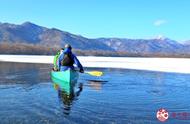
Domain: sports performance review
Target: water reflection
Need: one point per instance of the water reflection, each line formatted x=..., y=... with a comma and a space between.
x=130, y=96
x=68, y=96
x=23, y=73
x=96, y=84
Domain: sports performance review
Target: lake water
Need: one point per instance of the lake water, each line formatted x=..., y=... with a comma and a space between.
x=27, y=96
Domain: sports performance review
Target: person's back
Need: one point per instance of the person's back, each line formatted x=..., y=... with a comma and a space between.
x=67, y=59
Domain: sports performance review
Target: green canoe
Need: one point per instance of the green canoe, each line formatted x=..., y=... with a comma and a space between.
x=65, y=79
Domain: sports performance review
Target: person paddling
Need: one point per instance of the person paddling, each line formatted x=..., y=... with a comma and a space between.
x=67, y=59
x=55, y=60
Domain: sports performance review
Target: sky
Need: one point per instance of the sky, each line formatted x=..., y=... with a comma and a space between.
x=104, y=18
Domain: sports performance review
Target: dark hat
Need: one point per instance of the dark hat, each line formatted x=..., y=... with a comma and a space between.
x=68, y=46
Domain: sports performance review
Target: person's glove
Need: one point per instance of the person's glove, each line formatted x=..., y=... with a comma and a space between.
x=55, y=69
x=81, y=71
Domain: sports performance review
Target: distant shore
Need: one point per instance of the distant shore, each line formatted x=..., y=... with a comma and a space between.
x=34, y=49
x=176, y=65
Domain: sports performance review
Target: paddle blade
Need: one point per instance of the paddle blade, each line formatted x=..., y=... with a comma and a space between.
x=95, y=73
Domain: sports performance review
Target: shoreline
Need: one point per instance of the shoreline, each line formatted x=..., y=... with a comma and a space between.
x=174, y=65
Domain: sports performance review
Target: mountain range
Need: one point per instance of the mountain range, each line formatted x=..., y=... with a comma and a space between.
x=30, y=33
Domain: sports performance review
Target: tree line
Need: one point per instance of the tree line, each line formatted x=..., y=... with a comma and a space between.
x=32, y=49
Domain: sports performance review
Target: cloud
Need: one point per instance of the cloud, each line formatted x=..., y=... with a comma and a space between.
x=159, y=22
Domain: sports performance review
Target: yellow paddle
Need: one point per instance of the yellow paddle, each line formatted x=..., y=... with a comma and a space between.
x=94, y=73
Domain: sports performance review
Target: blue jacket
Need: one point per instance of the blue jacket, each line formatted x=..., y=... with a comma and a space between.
x=76, y=61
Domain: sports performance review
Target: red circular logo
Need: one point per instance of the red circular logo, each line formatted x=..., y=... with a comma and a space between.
x=162, y=115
